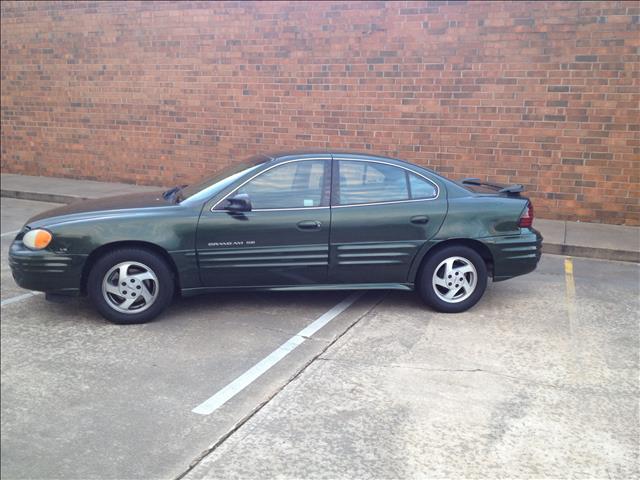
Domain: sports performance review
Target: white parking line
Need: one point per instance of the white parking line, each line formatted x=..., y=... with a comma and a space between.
x=243, y=381
x=24, y=296
x=9, y=233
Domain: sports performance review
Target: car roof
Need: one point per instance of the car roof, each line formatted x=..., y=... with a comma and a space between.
x=287, y=155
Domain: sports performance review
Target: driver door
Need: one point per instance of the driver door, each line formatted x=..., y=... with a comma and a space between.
x=282, y=241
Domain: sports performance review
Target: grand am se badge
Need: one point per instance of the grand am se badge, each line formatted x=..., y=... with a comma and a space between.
x=239, y=243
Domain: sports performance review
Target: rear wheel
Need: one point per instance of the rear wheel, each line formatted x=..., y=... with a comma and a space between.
x=453, y=279
x=130, y=285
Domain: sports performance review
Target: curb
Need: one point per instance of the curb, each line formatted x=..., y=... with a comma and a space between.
x=591, y=252
x=550, y=248
x=41, y=197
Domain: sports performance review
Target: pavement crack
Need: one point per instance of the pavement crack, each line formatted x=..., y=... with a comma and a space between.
x=529, y=381
x=213, y=447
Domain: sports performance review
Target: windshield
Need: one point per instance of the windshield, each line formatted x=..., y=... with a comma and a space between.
x=213, y=184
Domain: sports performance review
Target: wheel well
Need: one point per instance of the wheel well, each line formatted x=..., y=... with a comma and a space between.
x=476, y=245
x=152, y=247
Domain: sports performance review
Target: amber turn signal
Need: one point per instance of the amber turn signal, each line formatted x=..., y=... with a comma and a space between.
x=37, y=239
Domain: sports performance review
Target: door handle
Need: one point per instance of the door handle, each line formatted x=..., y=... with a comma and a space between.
x=309, y=225
x=419, y=219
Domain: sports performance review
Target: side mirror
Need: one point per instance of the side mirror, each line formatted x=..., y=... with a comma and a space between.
x=238, y=203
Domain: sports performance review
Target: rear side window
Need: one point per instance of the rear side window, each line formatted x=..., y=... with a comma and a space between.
x=421, y=188
x=368, y=182
x=291, y=185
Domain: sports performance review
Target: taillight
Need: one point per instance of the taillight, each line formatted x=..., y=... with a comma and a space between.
x=526, y=219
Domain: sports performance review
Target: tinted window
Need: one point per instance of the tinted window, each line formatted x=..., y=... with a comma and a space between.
x=291, y=185
x=421, y=188
x=368, y=182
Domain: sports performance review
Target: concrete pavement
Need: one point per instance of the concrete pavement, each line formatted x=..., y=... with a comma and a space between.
x=611, y=242
x=534, y=382
x=85, y=399
x=540, y=379
x=591, y=240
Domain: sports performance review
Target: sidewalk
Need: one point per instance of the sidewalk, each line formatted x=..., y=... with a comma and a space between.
x=592, y=240
x=63, y=190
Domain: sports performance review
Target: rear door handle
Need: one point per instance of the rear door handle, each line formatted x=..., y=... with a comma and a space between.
x=419, y=219
x=309, y=225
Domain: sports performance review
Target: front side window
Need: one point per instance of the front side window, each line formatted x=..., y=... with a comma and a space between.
x=291, y=185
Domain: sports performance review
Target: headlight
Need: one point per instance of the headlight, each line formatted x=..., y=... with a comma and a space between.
x=37, y=239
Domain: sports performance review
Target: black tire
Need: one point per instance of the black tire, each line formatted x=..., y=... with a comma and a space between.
x=427, y=290
x=163, y=289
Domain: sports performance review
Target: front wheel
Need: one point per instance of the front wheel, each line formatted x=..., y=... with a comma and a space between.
x=453, y=279
x=130, y=286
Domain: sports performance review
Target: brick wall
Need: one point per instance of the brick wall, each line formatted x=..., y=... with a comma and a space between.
x=546, y=94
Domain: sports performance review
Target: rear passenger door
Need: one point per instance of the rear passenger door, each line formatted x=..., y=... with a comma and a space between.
x=382, y=213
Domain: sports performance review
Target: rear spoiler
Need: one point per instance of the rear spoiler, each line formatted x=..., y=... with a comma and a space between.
x=514, y=189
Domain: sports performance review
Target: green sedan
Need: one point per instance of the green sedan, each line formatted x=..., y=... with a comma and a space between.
x=292, y=221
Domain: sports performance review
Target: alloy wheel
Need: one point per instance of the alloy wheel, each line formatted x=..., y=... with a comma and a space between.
x=130, y=287
x=454, y=279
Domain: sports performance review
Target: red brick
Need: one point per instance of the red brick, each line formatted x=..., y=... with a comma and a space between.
x=167, y=92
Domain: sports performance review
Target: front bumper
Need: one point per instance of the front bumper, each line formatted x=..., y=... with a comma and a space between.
x=46, y=271
x=515, y=255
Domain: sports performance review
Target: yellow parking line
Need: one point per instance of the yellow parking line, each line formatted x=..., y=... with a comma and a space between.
x=570, y=295
x=568, y=278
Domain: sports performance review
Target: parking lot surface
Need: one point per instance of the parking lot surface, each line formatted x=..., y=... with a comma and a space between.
x=539, y=379
x=529, y=384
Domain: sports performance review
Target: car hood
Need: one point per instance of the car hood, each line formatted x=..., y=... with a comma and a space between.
x=98, y=206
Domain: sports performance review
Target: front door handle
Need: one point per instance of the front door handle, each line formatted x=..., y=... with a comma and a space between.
x=309, y=225
x=419, y=219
